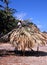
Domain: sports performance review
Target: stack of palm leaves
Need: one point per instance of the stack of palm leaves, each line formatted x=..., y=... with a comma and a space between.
x=25, y=38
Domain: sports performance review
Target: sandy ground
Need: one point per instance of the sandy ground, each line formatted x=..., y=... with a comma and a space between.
x=33, y=58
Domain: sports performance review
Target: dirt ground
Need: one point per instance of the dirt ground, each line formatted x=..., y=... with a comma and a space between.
x=30, y=58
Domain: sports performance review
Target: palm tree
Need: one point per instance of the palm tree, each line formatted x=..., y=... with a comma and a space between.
x=6, y=2
x=7, y=19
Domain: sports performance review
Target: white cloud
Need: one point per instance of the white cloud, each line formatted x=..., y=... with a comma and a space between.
x=31, y=18
x=21, y=15
x=39, y=26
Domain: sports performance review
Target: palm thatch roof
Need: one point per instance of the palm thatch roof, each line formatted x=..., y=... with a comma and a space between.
x=25, y=37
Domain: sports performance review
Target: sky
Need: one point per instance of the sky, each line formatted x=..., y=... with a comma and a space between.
x=35, y=10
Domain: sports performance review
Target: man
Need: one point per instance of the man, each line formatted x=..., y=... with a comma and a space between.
x=19, y=24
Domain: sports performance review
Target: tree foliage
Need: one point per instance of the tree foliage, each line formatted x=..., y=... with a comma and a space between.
x=7, y=20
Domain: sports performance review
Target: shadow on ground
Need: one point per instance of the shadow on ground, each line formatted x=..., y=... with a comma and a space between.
x=26, y=53
x=31, y=53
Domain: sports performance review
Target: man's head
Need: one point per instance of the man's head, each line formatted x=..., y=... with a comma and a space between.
x=20, y=21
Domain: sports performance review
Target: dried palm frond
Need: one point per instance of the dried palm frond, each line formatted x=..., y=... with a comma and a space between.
x=26, y=38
